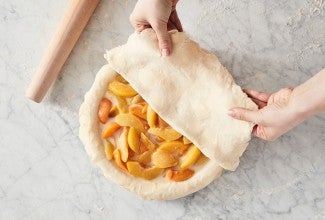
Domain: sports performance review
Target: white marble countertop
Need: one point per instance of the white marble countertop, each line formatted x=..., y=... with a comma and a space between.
x=45, y=172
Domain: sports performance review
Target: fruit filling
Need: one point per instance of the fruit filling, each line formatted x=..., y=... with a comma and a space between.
x=139, y=141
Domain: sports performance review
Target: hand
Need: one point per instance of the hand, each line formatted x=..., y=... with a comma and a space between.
x=285, y=109
x=161, y=15
x=274, y=117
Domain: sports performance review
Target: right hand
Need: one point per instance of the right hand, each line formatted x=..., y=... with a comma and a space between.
x=275, y=116
x=161, y=15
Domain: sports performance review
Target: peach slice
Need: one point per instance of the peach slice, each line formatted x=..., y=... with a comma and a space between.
x=104, y=108
x=129, y=120
x=134, y=140
x=186, y=141
x=122, y=144
x=131, y=154
x=110, y=129
x=162, y=123
x=139, y=110
x=137, y=170
x=122, y=104
x=143, y=147
x=167, y=134
x=136, y=99
x=179, y=175
x=202, y=159
x=177, y=147
x=147, y=142
x=118, y=161
x=190, y=157
x=151, y=117
x=108, y=148
x=163, y=159
x=158, y=139
x=114, y=111
x=145, y=157
x=120, y=78
x=121, y=89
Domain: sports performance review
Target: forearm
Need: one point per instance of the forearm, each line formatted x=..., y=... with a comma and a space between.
x=308, y=98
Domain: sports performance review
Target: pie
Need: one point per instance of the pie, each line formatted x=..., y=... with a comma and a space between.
x=157, y=126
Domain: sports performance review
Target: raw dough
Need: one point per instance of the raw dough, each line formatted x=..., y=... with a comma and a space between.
x=160, y=188
x=190, y=90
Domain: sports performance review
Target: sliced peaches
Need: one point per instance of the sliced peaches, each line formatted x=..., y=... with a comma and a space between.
x=147, y=142
x=177, y=147
x=118, y=161
x=162, y=123
x=121, y=89
x=108, y=148
x=167, y=134
x=129, y=120
x=104, y=108
x=190, y=157
x=134, y=140
x=163, y=159
x=186, y=140
x=137, y=170
x=114, y=111
x=137, y=99
x=122, y=104
x=135, y=150
x=202, y=159
x=131, y=154
x=145, y=157
x=110, y=129
x=122, y=144
x=152, y=117
x=120, y=78
x=179, y=175
x=139, y=110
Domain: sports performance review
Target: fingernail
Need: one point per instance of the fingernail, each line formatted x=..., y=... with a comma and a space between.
x=231, y=113
x=165, y=52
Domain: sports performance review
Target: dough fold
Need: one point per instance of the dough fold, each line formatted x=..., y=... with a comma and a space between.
x=190, y=90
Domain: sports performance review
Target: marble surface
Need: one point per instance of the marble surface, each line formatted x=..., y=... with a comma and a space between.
x=45, y=172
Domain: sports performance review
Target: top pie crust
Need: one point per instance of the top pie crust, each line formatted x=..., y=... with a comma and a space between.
x=190, y=90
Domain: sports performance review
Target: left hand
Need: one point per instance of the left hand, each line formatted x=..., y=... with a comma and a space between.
x=161, y=15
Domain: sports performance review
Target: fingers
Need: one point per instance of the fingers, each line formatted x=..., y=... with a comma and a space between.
x=175, y=20
x=264, y=97
x=264, y=133
x=139, y=28
x=259, y=103
x=163, y=38
x=245, y=115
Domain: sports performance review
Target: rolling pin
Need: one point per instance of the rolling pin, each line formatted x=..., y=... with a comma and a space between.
x=61, y=45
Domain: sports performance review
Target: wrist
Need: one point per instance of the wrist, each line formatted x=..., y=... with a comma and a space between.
x=308, y=99
x=300, y=106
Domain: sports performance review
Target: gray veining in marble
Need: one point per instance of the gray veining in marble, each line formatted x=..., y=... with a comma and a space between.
x=45, y=172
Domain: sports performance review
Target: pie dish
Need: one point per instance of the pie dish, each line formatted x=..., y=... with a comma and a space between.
x=180, y=101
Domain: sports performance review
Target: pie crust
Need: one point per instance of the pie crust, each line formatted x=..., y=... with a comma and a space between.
x=191, y=91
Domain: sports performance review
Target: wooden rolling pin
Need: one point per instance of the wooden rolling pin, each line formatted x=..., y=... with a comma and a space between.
x=61, y=45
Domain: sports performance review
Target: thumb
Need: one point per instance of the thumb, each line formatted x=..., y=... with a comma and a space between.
x=245, y=115
x=163, y=38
